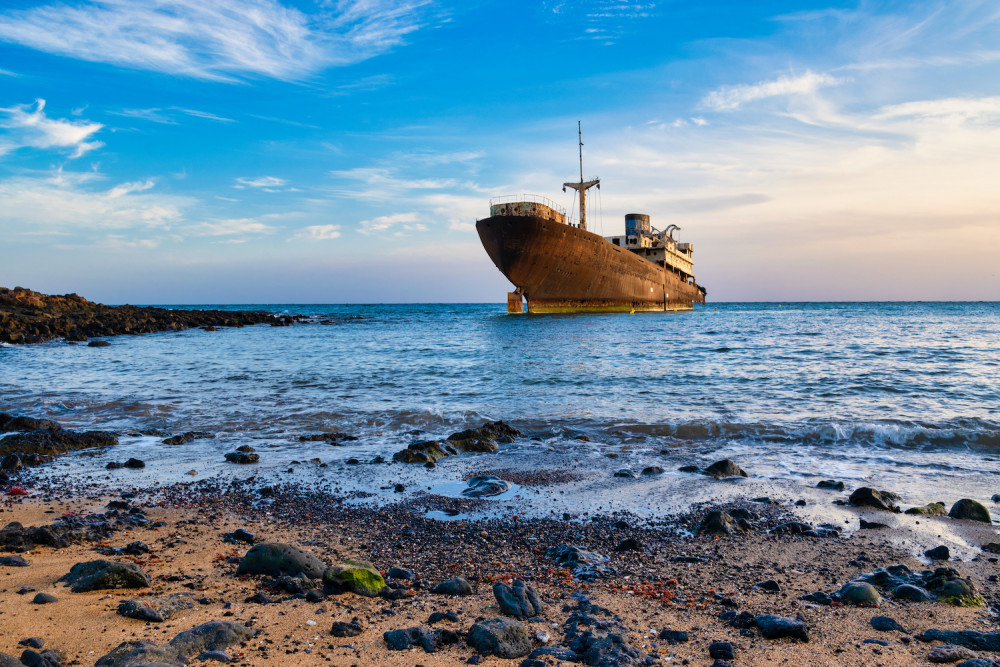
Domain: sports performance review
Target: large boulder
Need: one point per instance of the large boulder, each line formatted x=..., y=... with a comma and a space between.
x=9, y=423
x=98, y=575
x=725, y=468
x=971, y=510
x=277, y=559
x=502, y=637
x=930, y=509
x=718, y=522
x=355, y=576
x=861, y=594
x=869, y=497
x=519, y=600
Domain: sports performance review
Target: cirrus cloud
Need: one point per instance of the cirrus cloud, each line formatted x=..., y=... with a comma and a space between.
x=34, y=129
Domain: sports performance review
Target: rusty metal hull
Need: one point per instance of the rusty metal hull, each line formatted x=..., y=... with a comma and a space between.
x=560, y=268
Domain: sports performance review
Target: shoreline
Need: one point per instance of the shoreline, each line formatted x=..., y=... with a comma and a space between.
x=655, y=579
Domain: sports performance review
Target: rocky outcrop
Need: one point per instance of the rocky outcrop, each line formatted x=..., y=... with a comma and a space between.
x=30, y=317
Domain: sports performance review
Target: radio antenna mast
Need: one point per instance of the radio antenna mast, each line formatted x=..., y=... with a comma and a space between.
x=583, y=185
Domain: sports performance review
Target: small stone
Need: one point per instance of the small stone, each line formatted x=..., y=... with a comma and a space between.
x=519, y=600
x=400, y=573
x=13, y=561
x=911, y=593
x=770, y=586
x=725, y=468
x=775, y=627
x=673, y=636
x=938, y=553
x=242, y=458
x=721, y=651
x=886, y=624
x=831, y=484
x=869, y=497
x=134, y=464
x=503, y=637
x=32, y=642
x=346, y=629
x=653, y=470
x=625, y=472
x=44, y=598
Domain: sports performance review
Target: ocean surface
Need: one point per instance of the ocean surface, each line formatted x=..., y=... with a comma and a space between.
x=902, y=396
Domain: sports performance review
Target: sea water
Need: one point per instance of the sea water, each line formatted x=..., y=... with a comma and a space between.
x=902, y=396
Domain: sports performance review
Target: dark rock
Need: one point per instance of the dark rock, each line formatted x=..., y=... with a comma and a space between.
x=246, y=449
x=673, y=636
x=453, y=586
x=439, y=616
x=557, y=653
x=725, y=468
x=502, y=637
x=135, y=464
x=27, y=424
x=427, y=451
x=770, y=586
x=315, y=595
x=429, y=640
x=911, y=593
x=156, y=609
x=276, y=559
x=216, y=656
x=871, y=525
x=585, y=565
x=240, y=536
x=52, y=442
x=242, y=457
x=819, y=597
x=260, y=597
x=98, y=343
x=113, y=465
x=13, y=561
x=886, y=624
x=689, y=469
x=625, y=472
x=190, y=436
x=32, y=642
x=653, y=470
x=972, y=639
x=11, y=463
x=869, y=497
x=103, y=575
x=965, y=508
x=938, y=553
x=47, y=658
x=718, y=522
x=775, y=627
x=979, y=662
x=44, y=598
x=830, y=484
x=519, y=600
x=485, y=485
x=347, y=629
x=629, y=544
x=400, y=573
x=136, y=548
x=721, y=651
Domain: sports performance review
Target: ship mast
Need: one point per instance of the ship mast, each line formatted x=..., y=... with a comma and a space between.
x=583, y=185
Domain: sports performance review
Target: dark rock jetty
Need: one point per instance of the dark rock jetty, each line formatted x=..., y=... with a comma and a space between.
x=30, y=317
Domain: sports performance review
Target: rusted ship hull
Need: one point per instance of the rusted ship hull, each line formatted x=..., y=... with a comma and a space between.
x=561, y=268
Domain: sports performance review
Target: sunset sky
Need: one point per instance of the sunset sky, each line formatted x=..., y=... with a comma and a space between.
x=253, y=151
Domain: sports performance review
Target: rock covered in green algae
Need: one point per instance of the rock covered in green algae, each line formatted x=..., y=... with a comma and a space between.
x=930, y=509
x=355, y=576
x=277, y=559
x=861, y=594
x=969, y=509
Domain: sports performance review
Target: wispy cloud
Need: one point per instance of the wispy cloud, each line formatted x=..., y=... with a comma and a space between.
x=26, y=128
x=317, y=233
x=729, y=98
x=206, y=115
x=230, y=227
x=62, y=203
x=219, y=40
x=152, y=115
x=384, y=222
x=266, y=183
x=957, y=108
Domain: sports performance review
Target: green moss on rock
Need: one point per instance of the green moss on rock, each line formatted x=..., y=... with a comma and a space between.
x=356, y=576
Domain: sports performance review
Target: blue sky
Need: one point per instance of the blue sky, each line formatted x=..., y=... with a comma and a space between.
x=254, y=151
